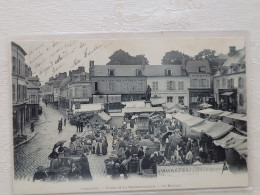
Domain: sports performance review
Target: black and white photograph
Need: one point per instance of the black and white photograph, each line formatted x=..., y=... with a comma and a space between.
x=132, y=114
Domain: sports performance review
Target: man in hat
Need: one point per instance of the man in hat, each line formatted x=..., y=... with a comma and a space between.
x=85, y=169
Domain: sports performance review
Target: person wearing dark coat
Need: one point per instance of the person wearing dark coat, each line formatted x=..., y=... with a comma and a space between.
x=104, y=146
x=74, y=173
x=85, y=169
x=78, y=125
x=118, y=169
x=32, y=126
x=64, y=121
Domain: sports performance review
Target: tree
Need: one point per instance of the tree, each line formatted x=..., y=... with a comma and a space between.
x=175, y=58
x=209, y=55
x=120, y=57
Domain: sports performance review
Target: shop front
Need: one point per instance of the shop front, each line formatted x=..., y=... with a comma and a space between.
x=228, y=99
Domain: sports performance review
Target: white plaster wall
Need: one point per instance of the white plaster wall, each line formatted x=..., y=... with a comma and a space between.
x=24, y=17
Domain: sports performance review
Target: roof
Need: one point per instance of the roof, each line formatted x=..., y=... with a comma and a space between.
x=64, y=83
x=120, y=70
x=194, y=66
x=104, y=116
x=237, y=58
x=219, y=129
x=31, y=86
x=56, y=83
x=18, y=46
x=159, y=70
x=227, y=93
x=194, y=121
x=116, y=114
x=182, y=116
x=142, y=109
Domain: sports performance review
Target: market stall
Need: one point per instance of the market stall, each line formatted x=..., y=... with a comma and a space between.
x=219, y=129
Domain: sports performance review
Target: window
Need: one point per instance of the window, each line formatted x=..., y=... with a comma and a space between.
x=33, y=100
x=155, y=86
x=202, y=69
x=168, y=72
x=180, y=85
x=169, y=99
x=181, y=100
x=111, y=72
x=14, y=64
x=13, y=92
x=224, y=82
x=140, y=86
x=111, y=86
x=230, y=83
x=85, y=92
x=96, y=86
x=240, y=83
x=203, y=83
x=241, y=100
x=170, y=85
x=194, y=83
x=77, y=95
x=138, y=72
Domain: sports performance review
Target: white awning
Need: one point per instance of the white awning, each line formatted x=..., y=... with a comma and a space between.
x=227, y=93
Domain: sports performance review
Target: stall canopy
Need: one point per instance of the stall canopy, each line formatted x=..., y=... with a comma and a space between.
x=227, y=93
x=242, y=149
x=142, y=109
x=237, y=116
x=88, y=108
x=205, y=126
x=182, y=116
x=157, y=101
x=205, y=105
x=104, y=116
x=173, y=108
x=225, y=113
x=210, y=111
x=231, y=140
x=219, y=129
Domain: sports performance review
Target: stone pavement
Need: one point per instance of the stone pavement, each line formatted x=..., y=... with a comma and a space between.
x=28, y=157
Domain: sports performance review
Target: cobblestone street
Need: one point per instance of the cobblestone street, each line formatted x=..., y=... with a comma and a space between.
x=28, y=157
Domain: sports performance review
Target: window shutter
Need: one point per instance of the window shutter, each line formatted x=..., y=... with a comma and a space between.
x=168, y=85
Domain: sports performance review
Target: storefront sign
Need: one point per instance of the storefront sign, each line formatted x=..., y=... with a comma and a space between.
x=181, y=170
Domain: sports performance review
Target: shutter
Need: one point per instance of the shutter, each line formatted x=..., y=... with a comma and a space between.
x=165, y=72
x=168, y=85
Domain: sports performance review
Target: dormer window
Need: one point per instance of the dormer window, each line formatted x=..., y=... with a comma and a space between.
x=202, y=69
x=111, y=72
x=168, y=72
x=138, y=72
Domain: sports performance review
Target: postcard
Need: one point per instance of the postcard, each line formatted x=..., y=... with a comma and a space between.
x=129, y=114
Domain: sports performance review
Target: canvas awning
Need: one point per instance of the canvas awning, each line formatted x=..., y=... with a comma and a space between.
x=242, y=149
x=182, y=117
x=194, y=121
x=231, y=140
x=105, y=117
x=237, y=116
x=157, y=101
x=225, y=113
x=219, y=129
x=205, y=126
x=142, y=109
x=205, y=105
x=227, y=93
x=210, y=111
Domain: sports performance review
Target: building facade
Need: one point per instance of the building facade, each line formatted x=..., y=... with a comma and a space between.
x=200, y=81
x=230, y=82
x=19, y=89
x=168, y=82
x=33, y=89
x=115, y=83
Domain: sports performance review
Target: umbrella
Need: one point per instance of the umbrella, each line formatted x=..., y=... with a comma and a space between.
x=175, y=139
x=165, y=136
x=146, y=142
x=58, y=144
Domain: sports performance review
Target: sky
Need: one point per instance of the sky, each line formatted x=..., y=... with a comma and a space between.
x=48, y=58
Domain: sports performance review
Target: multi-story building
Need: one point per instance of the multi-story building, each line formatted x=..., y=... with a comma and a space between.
x=230, y=82
x=200, y=81
x=116, y=83
x=33, y=89
x=80, y=89
x=19, y=88
x=168, y=82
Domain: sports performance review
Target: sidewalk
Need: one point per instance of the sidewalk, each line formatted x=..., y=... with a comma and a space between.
x=27, y=131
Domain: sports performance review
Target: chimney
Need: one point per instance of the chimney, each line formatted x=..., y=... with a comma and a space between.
x=91, y=68
x=232, y=50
